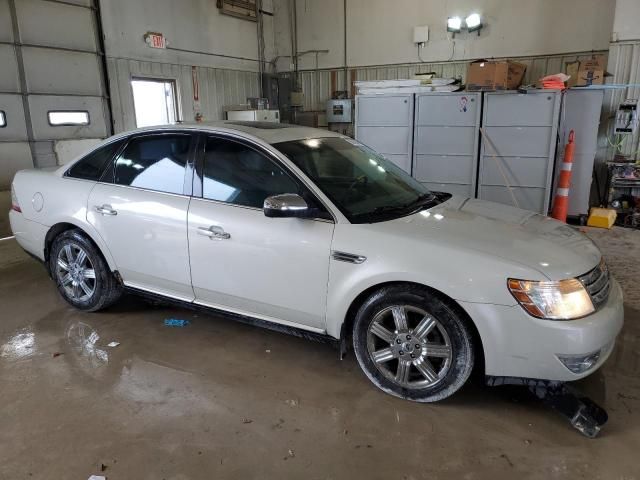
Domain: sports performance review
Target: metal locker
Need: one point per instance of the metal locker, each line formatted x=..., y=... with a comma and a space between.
x=385, y=123
x=517, y=148
x=580, y=112
x=446, y=141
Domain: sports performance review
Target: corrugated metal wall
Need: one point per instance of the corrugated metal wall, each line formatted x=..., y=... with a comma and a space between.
x=624, y=65
x=316, y=85
x=217, y=87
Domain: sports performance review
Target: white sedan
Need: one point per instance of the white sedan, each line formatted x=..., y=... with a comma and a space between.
x=309, y=230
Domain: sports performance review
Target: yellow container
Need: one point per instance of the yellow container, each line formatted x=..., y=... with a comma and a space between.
x=602, y=217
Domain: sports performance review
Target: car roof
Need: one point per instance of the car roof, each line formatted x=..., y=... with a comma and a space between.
x=269, y=132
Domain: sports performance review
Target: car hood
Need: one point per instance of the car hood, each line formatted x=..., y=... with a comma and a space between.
x=553, y=248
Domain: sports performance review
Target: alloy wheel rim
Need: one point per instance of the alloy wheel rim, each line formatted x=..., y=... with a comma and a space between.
x=75, y=272
x=409, y=346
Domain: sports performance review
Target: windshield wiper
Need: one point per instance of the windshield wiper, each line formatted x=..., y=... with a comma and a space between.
x=420, y=202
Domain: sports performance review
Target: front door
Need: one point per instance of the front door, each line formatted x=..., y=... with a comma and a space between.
x=140, y=211
x=270, y=268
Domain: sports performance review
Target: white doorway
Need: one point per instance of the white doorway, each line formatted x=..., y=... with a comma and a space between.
x=154, y=101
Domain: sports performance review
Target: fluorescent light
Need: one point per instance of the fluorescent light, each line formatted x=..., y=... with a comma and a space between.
x=381, y=169
x=312, y=143
x=3, y=119
x=373, y=162
x=474, y=22
x=454, y=24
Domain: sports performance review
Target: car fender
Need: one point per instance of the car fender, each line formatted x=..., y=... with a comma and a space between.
x=462, y=275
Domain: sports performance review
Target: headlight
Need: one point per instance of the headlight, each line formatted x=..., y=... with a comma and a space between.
x=562, y=300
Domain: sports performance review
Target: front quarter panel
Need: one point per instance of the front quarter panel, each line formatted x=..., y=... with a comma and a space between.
x=462, y=274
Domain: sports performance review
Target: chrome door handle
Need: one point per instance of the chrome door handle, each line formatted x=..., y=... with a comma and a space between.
x=214, y=232
x=105, y=210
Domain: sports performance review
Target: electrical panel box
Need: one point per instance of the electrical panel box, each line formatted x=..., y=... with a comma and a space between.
x=421, y=34
x=445, y=141
x=339, y=111
x=385, y=123
x=627, y=117
x=517, y=148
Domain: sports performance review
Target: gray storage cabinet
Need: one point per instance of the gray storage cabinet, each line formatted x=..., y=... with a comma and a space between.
x=580, y=112
x=385, y=123
x=518, y=148
x=445, y=150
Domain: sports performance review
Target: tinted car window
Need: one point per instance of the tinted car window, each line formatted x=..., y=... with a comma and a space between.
x=92, y=166
x=363, y=184
x=238, y=174
x=154, y=162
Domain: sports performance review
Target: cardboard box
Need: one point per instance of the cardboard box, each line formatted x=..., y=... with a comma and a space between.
x=587, y=72
x=494, y=75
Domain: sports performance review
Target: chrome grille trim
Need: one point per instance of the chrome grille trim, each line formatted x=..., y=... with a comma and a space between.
x=597, y=283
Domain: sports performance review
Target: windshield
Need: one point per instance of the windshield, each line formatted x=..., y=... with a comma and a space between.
x=363, y=184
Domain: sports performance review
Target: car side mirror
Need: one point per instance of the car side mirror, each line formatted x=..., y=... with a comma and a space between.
x=286, y=205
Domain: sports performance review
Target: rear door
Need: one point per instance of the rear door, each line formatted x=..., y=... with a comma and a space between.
x=242, y=261
x=140, y=210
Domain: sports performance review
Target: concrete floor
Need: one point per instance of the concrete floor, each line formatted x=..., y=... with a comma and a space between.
x=218, y=399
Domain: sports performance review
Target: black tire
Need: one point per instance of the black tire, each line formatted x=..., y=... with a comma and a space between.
x=449, y=338
x=105, y=287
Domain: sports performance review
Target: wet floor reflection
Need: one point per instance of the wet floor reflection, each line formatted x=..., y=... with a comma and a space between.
x=85, y=346
x=19, y=346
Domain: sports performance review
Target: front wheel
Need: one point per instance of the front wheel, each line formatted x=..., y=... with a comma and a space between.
x=81, y=274
x=412, y=344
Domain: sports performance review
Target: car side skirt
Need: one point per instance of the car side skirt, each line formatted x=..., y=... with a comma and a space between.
x=276, y=327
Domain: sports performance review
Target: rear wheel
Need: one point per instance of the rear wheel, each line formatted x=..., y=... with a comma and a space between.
x=412, y=344
x=81, y=274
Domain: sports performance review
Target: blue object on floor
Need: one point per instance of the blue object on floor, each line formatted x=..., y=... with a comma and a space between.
x=174, y=322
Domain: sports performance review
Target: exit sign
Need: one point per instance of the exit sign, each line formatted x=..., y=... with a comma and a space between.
x=155, y=40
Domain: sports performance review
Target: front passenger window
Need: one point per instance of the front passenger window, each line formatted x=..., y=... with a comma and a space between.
x=238, y=174
x=154, y=162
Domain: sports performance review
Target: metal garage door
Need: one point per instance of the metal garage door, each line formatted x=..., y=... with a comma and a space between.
x=51, y=64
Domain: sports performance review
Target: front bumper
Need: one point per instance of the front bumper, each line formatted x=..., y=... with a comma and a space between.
x=518, y=345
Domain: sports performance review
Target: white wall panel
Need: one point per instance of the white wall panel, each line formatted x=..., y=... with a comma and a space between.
x=6, y=33
x=379, y=32
x=316, y=85
x=9, y=80
x=625, y=23
x=16, y=128
x=41, y=104
x=13, y=157
x=66, y=26
x=67, y=150
x=217, y=87
x=60, y=71
x=189, y=26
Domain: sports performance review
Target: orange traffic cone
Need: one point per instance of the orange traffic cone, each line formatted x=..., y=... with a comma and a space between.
x=561, y=202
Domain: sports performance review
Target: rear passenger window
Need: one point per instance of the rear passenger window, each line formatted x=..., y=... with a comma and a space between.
x=238, y=174
x=155, y=162
x=92, y=166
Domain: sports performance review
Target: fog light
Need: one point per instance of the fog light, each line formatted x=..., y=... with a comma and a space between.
x=579, y=363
